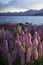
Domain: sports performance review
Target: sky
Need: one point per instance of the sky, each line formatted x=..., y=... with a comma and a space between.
x=20, y=5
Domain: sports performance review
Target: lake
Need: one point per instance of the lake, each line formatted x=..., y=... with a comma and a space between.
x=22, y=19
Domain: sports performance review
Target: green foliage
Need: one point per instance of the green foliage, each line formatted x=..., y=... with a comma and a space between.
x=17, y=61
x=3, y=60
x=1, y=41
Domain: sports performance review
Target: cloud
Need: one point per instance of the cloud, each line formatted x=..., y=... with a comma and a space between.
x=4, y=4
x=20, y=4
x=4, y=1
x=12, y=9
x=38, y=6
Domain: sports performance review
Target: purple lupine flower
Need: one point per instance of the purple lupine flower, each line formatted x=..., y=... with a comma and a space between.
x=4, y=36
x=7, y=34
x=28, y=55
x=11, y=41
x=9, y=58
x=35, y=34
x=35, y=42
x=40, y=50
x=6, y=52
x=2, y=48
x=0, y=33
x=14, y=53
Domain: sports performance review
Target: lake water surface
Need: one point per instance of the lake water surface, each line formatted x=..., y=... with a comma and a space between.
x=22, y=19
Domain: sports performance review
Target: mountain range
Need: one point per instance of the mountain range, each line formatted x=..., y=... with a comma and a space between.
x=26, y=13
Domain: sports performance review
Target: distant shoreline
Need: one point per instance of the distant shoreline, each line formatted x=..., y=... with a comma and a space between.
x=21, y=15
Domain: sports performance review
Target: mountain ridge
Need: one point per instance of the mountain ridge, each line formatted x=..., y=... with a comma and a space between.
x=26, y=13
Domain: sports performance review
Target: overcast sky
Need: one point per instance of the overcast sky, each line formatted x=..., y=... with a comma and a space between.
x=20, y=5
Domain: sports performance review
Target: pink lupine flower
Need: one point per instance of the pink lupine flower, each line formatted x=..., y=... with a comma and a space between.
x=26, y=38
x=23, y=36
x=6, y=45
x=29, y=39
x=29, y=42
x=40, y=50
x=42, y=47
x=23, y=39
x=35, y=53
x=28, y=55
x=2, y=33
x=17, y=37
x=29, y=35
x=16, y=46
x=36, y=35
x=16, y=49
x=22, y=55
x=38, y=38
